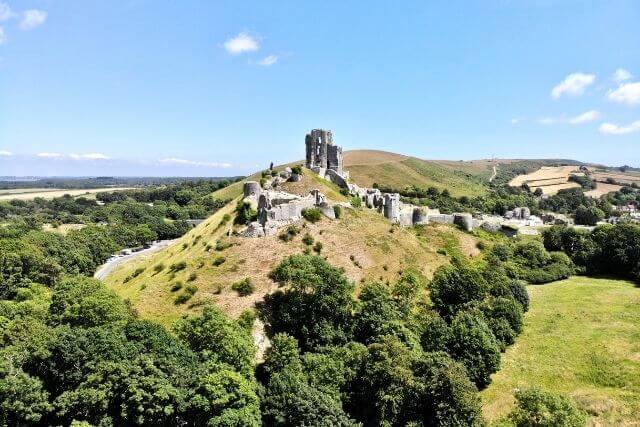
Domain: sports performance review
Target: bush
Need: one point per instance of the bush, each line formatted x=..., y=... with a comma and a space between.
x=193, y=276
x=245, y=213
x=138, y=271
x=158, y=267
x=356, y=202
x=317, y=248
x=243, y=287
x=297, y=169
x=191, y=289
x=182, y=298
x=221, y=245
x=337, y=211
x=312, y=215
x=289, y=233
x=219, y=261
x=307, y=239
x=454, y=286
x=178, y=266
x=176, y=286
x=536, y=407
x=520, y=294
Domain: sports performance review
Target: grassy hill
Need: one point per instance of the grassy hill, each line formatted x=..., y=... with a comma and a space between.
x=464, y=178
x=580, y=338
x=362, y=241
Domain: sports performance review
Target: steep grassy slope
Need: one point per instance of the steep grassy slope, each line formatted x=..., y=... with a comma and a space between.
x=393, y=170
x=581, y=338
x=363, y=242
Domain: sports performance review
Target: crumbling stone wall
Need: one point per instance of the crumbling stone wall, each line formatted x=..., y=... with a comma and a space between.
x=321, y=154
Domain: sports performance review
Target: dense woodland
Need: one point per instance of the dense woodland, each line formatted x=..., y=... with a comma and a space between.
x=409, y=353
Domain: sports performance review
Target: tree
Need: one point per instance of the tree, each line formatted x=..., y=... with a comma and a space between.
x=454, y=286
x=474, y=345
x=218, y=338
x=82, y=301
x=316, y=307
x=588, y=215
x=538, y=408
x=23, y=399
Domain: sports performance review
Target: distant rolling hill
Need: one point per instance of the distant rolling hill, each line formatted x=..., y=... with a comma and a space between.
x=461, y=178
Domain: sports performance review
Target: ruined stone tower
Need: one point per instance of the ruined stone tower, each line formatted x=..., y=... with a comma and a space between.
x=322, y=155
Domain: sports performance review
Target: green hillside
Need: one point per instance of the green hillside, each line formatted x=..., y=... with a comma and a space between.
x=362, y=242
x=367, y=167
x=580, y=338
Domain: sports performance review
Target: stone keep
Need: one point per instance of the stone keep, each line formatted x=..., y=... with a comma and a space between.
x=322, y=155
x=391, y=207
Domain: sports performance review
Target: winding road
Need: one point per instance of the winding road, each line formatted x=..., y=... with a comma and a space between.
x=105, y=269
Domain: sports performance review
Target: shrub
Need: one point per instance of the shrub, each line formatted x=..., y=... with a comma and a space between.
x=185, y=246
x=158, y=267
x=178, y=266
x=312, y=215
x=138, y=271
x=536, y=407
x=263, y=182
x=356, y=202
x=193, y=276
x=337, y=211
x=307, y=239
x=176, y=286
x=520, y=294
x=191, y=289
x=219, y=261
x=289, y=233
x=221, y=245
x=182, y=298
x=247, y=319
x=297, y=169
x=245, y=213
x=317, y=247
x=454, y=286
x=243, y=287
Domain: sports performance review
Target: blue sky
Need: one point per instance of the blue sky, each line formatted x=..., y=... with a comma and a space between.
x=224, y=87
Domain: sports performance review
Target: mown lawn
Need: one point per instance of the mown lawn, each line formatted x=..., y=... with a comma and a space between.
x=581, y=338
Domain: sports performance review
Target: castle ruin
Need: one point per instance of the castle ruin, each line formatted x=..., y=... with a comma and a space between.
x=322, y=155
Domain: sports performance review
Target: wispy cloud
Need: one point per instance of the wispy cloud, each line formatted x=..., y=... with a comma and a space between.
x=5, y=12
x=628, y=93
x=622, y=75
x=268, y=61
x=32, y=18
x=89, y=156
x=5, y=153
x=573, y=85
x=614, y=129
x=176, y=161
x=3, y=36
x=241, y=43
x=47, y=155
x=586, y=117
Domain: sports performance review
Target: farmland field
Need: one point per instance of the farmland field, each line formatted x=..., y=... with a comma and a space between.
x=581, y=338
x=602, y=189
x=50, y=193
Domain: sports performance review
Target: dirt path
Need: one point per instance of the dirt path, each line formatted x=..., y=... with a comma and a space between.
x=495, y=172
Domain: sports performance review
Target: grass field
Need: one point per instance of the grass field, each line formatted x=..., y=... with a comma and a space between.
x=50, y=193
x=581, y=338
x=393, y=170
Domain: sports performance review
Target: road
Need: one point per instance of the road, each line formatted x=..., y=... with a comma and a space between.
x=105, y=269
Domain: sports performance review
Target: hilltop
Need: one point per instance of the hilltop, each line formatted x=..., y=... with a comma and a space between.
x=364, y=243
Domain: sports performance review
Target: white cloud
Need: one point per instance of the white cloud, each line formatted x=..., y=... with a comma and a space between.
x=50, y=155
x=3, y=36
x=517, y=120
x=241, y=43
x=175, y=161
x=614, y=129
x=5, y=153
x=268, y=61
x=32, y=18
x=89, y=156
x=586, y=117
x=574, y=85
x=5, y=12
x=628, y=93
x=621, y=75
